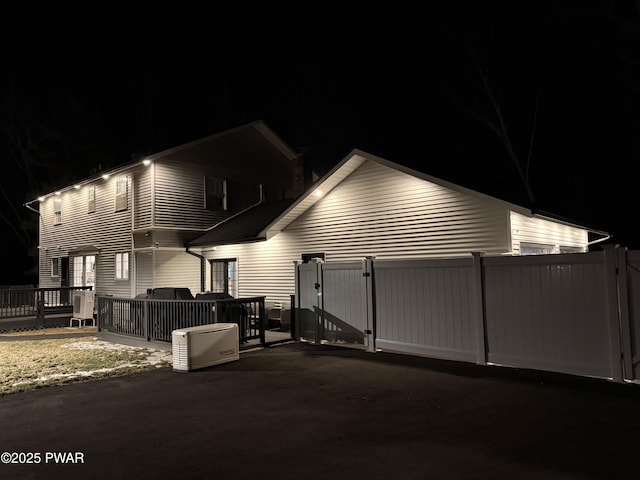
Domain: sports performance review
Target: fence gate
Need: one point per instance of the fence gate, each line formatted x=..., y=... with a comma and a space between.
x=334, y=303
x=309, y=301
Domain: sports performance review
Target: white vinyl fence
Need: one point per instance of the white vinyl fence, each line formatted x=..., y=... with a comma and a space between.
x=573, y=313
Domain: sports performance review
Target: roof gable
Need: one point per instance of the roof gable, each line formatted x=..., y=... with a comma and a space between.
x=253, y=144
x=347, y=166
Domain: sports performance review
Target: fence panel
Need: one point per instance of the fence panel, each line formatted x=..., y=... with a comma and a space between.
x=549, y=312
x=633, y=288
x=426, y=307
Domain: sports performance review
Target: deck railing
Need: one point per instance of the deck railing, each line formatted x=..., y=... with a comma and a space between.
x=16, y=303
x=155, y=320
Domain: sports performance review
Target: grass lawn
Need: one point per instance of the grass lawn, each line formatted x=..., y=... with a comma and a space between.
x=45, y=361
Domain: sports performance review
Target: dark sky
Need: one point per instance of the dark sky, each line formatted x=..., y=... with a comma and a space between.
x=405, y=85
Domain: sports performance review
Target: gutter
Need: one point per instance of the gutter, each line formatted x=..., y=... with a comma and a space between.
x=28, y=205
x=600, y=240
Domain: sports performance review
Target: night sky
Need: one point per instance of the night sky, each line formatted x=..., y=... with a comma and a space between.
x=415, y=87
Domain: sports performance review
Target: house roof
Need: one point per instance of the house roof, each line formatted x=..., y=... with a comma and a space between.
x=246, y=226
x=356, y=158
x=238, y=146
x=267, y=220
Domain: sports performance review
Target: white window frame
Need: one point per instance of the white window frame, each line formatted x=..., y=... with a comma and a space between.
x=84, y=271
x=536, y=249
x=57, y=211
x=55, y=267
x=91, y=199
x=122, y=266
x=215, y=194
x=121, y=200
x=224, y=276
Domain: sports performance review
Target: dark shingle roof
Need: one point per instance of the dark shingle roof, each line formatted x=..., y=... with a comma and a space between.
x=243, y=227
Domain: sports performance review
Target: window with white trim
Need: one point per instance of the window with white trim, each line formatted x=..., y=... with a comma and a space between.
x=224, y=276
x=57, y=211
x=536, y=249
x=121, y=194
x=91, y=199
x=215, y=193
x=55, y=267
x=564, y=249
x=122, y=266
x=84, y=271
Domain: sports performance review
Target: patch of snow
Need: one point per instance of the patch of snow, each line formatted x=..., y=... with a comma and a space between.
x=157, y=358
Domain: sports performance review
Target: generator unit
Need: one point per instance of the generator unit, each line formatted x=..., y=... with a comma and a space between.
x=83, y=303
x=204, y=346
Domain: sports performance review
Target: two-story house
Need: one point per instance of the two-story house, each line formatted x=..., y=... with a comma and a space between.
x=124, y=231
x=230, y=213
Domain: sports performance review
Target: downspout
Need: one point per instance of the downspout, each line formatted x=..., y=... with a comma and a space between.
x=202, y=268
x=203, y=259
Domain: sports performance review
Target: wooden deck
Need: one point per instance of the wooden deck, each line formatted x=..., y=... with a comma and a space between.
x=34, y=322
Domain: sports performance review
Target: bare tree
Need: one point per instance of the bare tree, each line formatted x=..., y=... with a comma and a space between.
x=494, y=119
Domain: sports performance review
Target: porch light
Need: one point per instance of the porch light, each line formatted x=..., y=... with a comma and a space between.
x=146, y=162
x=41, y=199
x=105, y=176
x=77, y=187
x=58, y=192
x=318, y=193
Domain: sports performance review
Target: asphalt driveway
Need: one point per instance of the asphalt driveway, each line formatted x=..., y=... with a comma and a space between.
x=300, y=411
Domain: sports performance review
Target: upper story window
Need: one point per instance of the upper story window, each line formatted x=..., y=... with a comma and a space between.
x=57, y=211
x=121, y=194
x=91, y=199
x=215, y=193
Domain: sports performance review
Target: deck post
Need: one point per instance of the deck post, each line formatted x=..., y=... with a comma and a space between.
x=478, y=309
x=611, y=284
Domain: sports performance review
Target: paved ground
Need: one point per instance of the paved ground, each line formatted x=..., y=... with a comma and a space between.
x=303, y=412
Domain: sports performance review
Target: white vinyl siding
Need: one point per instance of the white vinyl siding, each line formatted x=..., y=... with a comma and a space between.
x=264, y=268
x=388, y=214
x=143, y=198
x=535, y=231
x=179, y=193
x=144, y=272
x=376, y=211
x=105, y=231
x=381, y=212
x=176, y=269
